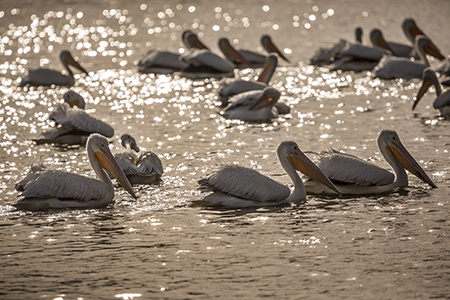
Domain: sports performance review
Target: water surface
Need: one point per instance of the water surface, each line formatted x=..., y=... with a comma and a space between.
x=392, y=246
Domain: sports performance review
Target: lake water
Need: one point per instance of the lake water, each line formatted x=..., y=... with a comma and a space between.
x=394, y=246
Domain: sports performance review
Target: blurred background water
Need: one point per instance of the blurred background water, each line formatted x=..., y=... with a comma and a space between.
x=393, y=246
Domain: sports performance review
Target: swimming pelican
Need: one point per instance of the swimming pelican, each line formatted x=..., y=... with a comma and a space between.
x=354, y=176
x=139, y=167
x=442, y=101
x=358, y=57
x=45, y=188
x=230, y=86
x=161, y=62
x=49, y=77
x=73, y=124
x=253, y=105
x=391, y=67
x=237, y=187
x=411, y=31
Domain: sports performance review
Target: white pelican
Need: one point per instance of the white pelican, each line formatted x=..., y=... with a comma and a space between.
x=44, y=189
x=237, y=187
x=442, y=101
x=357, y=57
x=411, y=31
x=354, y=176
x=253, y=105
x=161, y=62
x=73, y=124
x=230, y=86
x=49, y=77
x=391, y=67
x=139, y=167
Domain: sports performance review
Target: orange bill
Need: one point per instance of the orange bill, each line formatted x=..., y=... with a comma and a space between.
x=107, y=162
x=423, y=89
x=409, y=163
x=304, y=165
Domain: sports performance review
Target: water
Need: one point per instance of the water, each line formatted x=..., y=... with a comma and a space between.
x=393, y=246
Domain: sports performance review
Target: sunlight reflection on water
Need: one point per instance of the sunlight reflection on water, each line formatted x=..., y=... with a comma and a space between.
x=159, y=243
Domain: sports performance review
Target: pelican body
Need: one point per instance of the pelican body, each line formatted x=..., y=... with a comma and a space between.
x=47, y=77
x=357, y=57
x=139, y=167
x=253, y=105
x=73, y=124
x=354, y=176
x=46, y=188
x=442, y=101
x=161, y=62
x=237, y=187
x=230, y=86
x=391, y=67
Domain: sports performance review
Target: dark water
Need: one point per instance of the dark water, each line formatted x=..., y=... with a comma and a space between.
x=393, y=246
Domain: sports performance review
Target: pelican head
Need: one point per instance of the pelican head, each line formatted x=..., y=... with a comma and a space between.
x=191, y=40
x=411, y=31
x=74, y=99
x=358, y=34
x=269, y=97
x=98, y=145
x=377, y=39
x=429, y=78
x=390, y=141
x=127, y=140
x=422, y=42
x=303, y=164
x=67, y=59
x=231, y=53
x=270, y=47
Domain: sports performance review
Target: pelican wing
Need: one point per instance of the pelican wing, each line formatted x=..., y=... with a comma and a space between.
x=231, y=87
x=205, y=58
x=244, y=183
x=350, y=169
x=127, y=162
x=359, y=51
x=149, y=163
x=47, y=77
x=327, y=55
x=391, y=67
x=78, y=120
x=442, y=100
x=61, y=185
x=244, y=99
x=161, y=59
